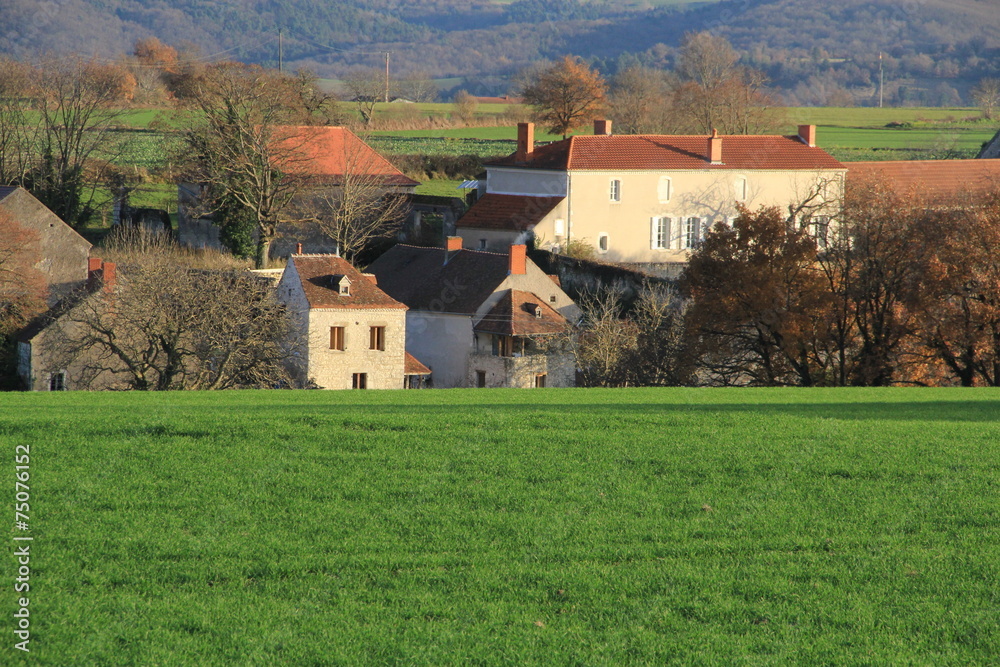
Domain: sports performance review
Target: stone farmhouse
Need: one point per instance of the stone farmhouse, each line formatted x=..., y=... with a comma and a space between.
x=44, y=363
x=327, y=158
x=643, y=200
x=481, y=319
x=64, y=253
x=349, y=334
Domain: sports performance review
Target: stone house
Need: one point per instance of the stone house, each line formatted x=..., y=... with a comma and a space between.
x=641, y=199
x=44, y=363
x=328, y=159
x=64, y=253
x=481, y=319
x=349, y=334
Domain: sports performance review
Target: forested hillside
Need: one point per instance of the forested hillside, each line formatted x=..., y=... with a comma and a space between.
x=815, y=51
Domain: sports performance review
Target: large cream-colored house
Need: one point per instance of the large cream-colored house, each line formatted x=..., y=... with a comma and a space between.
x=642, y=199
x=481, y=319
x=348, y=334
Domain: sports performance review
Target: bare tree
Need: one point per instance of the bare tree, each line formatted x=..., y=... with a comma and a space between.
x=168, y=326
x=986, y=94
x=366, y=87
x=465, y=105
x=243, y=152
x=639, y=99
x=363, y=206
x=18, y=134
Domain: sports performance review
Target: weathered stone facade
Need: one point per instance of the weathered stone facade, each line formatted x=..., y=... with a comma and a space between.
x=64, y=252
x=354, y=356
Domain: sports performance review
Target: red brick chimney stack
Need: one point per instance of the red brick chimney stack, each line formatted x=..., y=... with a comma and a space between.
x=602, y=128
x=525, y=141
x=298, y=248
x=518, y=260
x=807, y=133
x=109, y=276
x=93, y=273
x=453, y=243
x=715, y=147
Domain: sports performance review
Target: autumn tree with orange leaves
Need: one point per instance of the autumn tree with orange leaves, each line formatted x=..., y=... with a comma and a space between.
x=566, y=95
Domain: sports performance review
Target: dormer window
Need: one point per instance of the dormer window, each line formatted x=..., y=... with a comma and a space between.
x=342, y=284
x=538, y=312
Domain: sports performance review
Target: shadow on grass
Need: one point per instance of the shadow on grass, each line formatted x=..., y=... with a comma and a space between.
x=939, y=411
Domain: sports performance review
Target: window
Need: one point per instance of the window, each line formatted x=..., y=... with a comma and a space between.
x=540, y=380
x=602, y=243
x=821, y=231
x=552, y=299
x=616, y=190
x=560, y=227
x=57, y=382
x=482, y=244
x=359, y=381
x=659, y=234
x=376, y=338
x=692, y=232
x=664, y=189
x=740, y=188
x=481, y=379
x=337, y=338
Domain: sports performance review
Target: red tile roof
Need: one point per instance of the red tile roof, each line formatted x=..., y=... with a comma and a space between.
x=938, y=181
x=507, y=212
x=320, y=275
x=666, y=152
x=515, y=315
x=412, y=366
x=331, y=152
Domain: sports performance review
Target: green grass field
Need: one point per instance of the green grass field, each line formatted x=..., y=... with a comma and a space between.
x=682, y=526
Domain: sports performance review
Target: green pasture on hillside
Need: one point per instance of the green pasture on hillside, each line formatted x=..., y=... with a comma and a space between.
x=549, y=527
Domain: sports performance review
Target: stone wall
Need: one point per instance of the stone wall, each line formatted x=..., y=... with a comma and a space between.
x=521, y=372
x=334, y=369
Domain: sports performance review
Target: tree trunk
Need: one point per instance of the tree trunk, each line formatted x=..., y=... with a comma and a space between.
x=263, y=248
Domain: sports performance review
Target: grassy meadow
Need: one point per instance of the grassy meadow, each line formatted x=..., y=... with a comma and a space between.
x=646, y=526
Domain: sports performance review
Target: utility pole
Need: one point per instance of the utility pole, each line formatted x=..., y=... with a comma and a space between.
x=280, y=54
x=880, y=80
x=387, y=77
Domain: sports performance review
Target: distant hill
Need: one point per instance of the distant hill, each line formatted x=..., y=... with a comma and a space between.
x=812, y=49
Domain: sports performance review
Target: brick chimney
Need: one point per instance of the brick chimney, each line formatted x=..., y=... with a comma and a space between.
x=602, y=128
x=372, y=277
x=525, y=141
x=93, y=273
x=715, y=147
x=453, y=243
x=807, y=134
x=518, y=260
x=298, y=248
x=109, y=276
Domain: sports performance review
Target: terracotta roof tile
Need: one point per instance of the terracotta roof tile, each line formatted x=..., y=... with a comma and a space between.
x=518, y=212
x=420, y=277
x=671, y=152
x=412, y=366
x=515, y=315
x=939, y=181
x=332, y=152
x=319, y=275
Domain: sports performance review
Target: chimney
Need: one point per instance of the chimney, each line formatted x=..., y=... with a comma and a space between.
x=602, y=128
x=372, y=277
x=715, y=147
x=93, y=273
x=807, y=134
x=452, y=244
x=518, y=260
x=525, y=141
x=108, y=275
x=298, y=248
